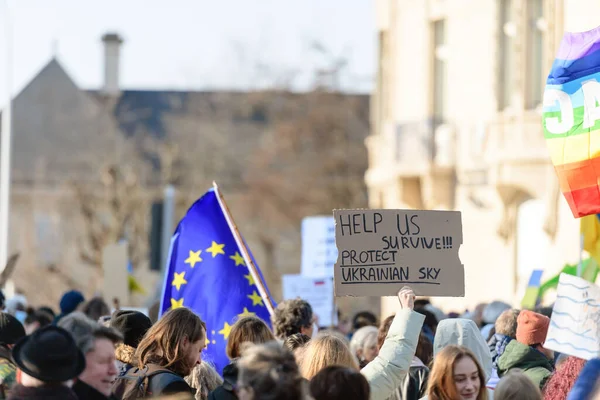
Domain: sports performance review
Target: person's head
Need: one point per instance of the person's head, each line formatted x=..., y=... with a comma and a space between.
x=70, y=301
x=517, y=386
x=174, y=342
x=293, y=316
x=17, y=303
x=36, y=319
x=339, y=383
x=492, y=311
x=296, y=341
x=364, y=344
x=268, y=371
x=47, y=356
x=456, y=375
x=420, y=303
x=424, y=349
x=464, y=332
x=477, y=315
x=95, y=308
x=424, y=346
x=431, y=320
x=133, y=325
x=11, y=330
x=247, y=330
x=323, y=351
x=362, y=319
x=532, y=329
x=204, y=379
x=506, y=324
x=344, y=323
x=97, y=343
x=47, y=310
x=562, y=380
x=383, y=330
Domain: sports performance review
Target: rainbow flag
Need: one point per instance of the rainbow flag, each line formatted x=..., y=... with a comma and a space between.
x=571, y=119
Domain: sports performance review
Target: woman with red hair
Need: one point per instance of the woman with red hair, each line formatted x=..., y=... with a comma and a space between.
x=562, y=380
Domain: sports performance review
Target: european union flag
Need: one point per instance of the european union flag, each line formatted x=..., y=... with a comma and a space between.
x=207, y=273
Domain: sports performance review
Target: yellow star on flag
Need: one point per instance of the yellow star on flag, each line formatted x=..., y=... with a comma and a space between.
x=176, y=303
x=246, y=313
x=250, y=279
x=256, y=299
x=239, y=260
x=194, y=258
x=215, y=249
x=206, y=342
x=225, y=331
x=179, y=280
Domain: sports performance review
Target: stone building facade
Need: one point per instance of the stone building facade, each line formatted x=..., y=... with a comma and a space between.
x=456, y=125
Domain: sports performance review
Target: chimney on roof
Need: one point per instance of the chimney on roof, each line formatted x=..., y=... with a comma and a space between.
x=112, y=46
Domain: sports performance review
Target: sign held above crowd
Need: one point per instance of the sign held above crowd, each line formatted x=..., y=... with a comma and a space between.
x=379, y=250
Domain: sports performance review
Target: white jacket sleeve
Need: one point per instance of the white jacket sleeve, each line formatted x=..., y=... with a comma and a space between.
x=385, y=372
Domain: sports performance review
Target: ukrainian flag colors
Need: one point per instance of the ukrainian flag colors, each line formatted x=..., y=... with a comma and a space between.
x=572, y=120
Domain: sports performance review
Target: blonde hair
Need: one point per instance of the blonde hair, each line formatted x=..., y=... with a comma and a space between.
x=163, y=343
x=323, y=351
x=204, y=379
x=247, y=329
x=441, y=385
x=516, y=386
x=270, y=372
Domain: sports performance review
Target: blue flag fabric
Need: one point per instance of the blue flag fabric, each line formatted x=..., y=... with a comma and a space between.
x=207, y=274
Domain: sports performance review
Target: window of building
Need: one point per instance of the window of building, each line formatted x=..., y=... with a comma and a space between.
x=439, y=70
x=506, y=34
x=534, y=75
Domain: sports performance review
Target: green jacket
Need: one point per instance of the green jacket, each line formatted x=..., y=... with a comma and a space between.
x=535, y=365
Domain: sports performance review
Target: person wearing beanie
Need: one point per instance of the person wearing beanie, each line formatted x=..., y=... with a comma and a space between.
x=527, y=353
x=11, y=331
x=133, y=325
x=69, y=303
x=48, y=361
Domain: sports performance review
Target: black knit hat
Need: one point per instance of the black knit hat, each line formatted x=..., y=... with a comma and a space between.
x=50, y=355
x=11, y=330
x=132, y=324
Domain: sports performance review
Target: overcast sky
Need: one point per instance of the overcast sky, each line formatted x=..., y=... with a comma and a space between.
x=190, y=44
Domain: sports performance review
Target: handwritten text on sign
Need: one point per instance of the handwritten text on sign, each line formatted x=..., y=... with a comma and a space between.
x=379, y=250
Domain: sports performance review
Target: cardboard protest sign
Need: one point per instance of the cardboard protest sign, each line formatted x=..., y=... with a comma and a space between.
x=381, y=250
x=317, y=291
x=575, y=317
x=571, y=119
x=318, y=246
x=114, y=266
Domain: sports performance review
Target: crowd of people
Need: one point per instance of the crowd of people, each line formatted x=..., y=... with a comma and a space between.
x=85, y=352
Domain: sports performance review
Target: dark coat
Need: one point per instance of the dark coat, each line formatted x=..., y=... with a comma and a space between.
x=49, y=392
x=414, y=384
x=226, y=390
x=85, y=391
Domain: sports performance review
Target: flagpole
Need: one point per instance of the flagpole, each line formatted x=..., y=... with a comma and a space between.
x=242, y=246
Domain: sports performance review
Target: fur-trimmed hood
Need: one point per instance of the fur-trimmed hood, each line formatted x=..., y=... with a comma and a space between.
x=125, y=354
